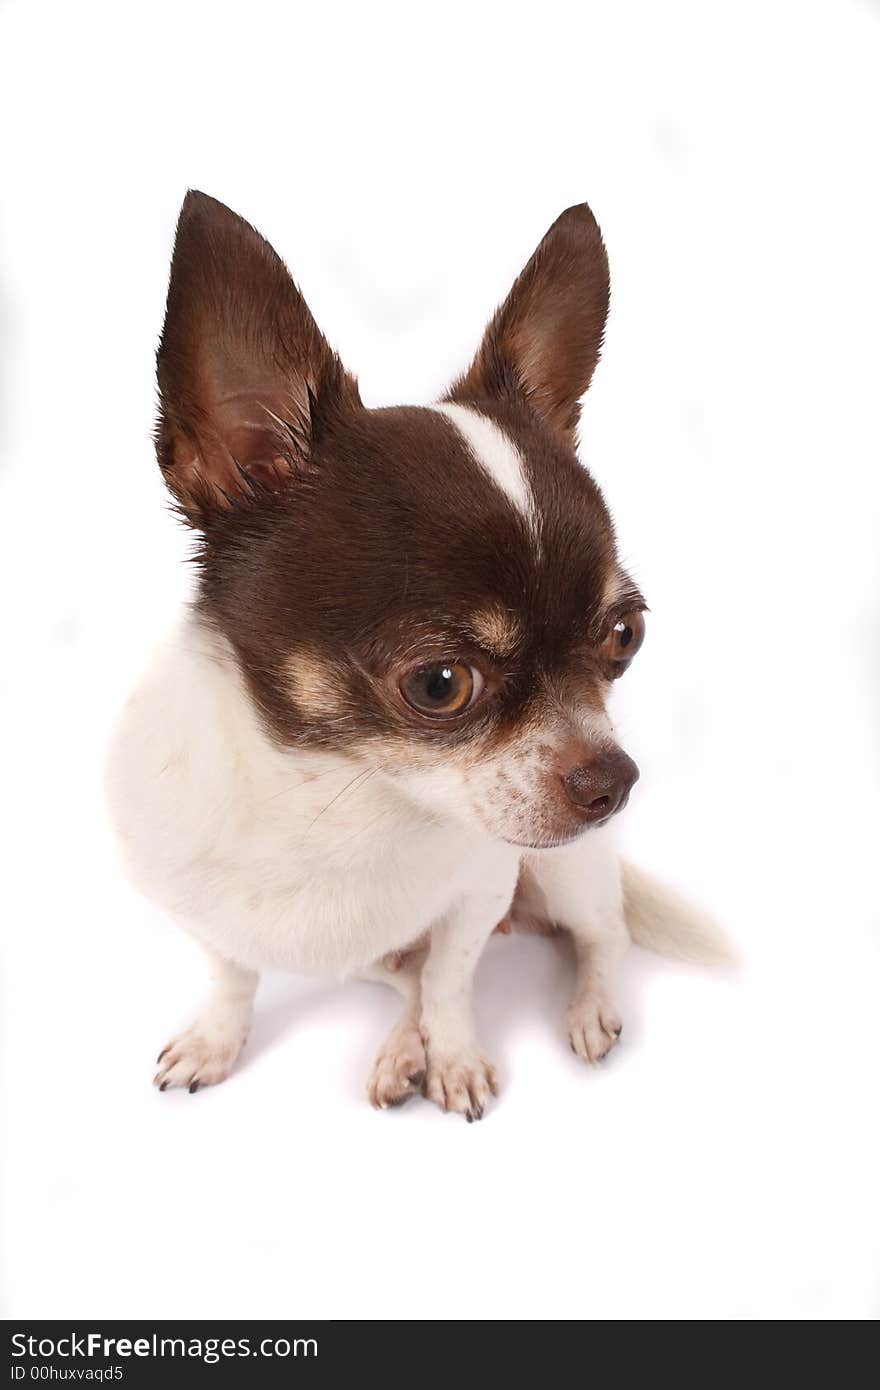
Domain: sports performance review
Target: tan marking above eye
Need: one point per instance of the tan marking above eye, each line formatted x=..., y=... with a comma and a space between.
x=314, y=683
x=623, y=640
x=617, y=587
x=496, y=629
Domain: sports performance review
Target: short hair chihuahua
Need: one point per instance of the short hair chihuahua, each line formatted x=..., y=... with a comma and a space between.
x=380, y=730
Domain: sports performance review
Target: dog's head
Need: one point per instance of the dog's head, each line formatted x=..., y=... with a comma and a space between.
x=434, y=592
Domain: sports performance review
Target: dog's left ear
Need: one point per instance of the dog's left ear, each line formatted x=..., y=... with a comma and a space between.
x=543, y=343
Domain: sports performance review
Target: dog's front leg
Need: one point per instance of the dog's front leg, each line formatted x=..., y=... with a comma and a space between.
x=399, y=1069
x=204, y=1054
x=458, y=1076
x=579, y=888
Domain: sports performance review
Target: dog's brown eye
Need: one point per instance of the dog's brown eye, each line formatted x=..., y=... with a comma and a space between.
x=442, y=690
x=624, y=640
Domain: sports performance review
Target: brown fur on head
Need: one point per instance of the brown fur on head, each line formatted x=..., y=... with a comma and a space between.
x=360, y=562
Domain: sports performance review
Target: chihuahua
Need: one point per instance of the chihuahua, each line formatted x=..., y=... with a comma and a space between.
x=380, y=729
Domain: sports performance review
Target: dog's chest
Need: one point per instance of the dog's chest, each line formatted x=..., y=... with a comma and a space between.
x=310, y=901
x=303, y=863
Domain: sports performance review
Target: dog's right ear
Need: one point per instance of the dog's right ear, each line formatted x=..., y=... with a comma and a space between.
x=243, y=369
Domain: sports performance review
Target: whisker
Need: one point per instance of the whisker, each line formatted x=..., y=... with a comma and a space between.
x=364, y=828
x=362, y=777
x=304, y=782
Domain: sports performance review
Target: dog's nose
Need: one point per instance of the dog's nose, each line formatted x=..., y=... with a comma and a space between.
x=601, y=786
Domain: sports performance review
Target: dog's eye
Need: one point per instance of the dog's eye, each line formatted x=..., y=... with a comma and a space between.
x=624, y=640
x=442, y=690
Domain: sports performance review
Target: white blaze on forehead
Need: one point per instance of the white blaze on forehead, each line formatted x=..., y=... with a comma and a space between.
x=494, y=452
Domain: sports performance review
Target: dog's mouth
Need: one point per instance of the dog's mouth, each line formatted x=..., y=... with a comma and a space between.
x=556, y=841
x=573, y=831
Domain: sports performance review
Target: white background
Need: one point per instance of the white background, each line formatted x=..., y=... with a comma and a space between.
x=405, y=160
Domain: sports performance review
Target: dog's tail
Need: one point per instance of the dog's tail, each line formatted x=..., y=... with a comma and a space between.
x=661, y=920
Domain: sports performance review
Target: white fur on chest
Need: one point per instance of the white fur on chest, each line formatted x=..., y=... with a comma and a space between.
x=295, y=860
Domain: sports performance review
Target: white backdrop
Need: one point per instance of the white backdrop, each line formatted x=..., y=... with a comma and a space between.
x=405, y=160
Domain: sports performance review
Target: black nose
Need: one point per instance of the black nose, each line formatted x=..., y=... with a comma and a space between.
x=601, y=787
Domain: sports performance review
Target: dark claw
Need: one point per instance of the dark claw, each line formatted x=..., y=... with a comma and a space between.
x=417, y=1079
x=162, y=1053
x=194, y=1086
x=469, y=1117
x=163, y=1086
x=618, y=1031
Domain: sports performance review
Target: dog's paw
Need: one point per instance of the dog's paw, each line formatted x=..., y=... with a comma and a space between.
x=594, y=1025
x=399, y=1069
x=202, y=1056
x=462, y=1083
